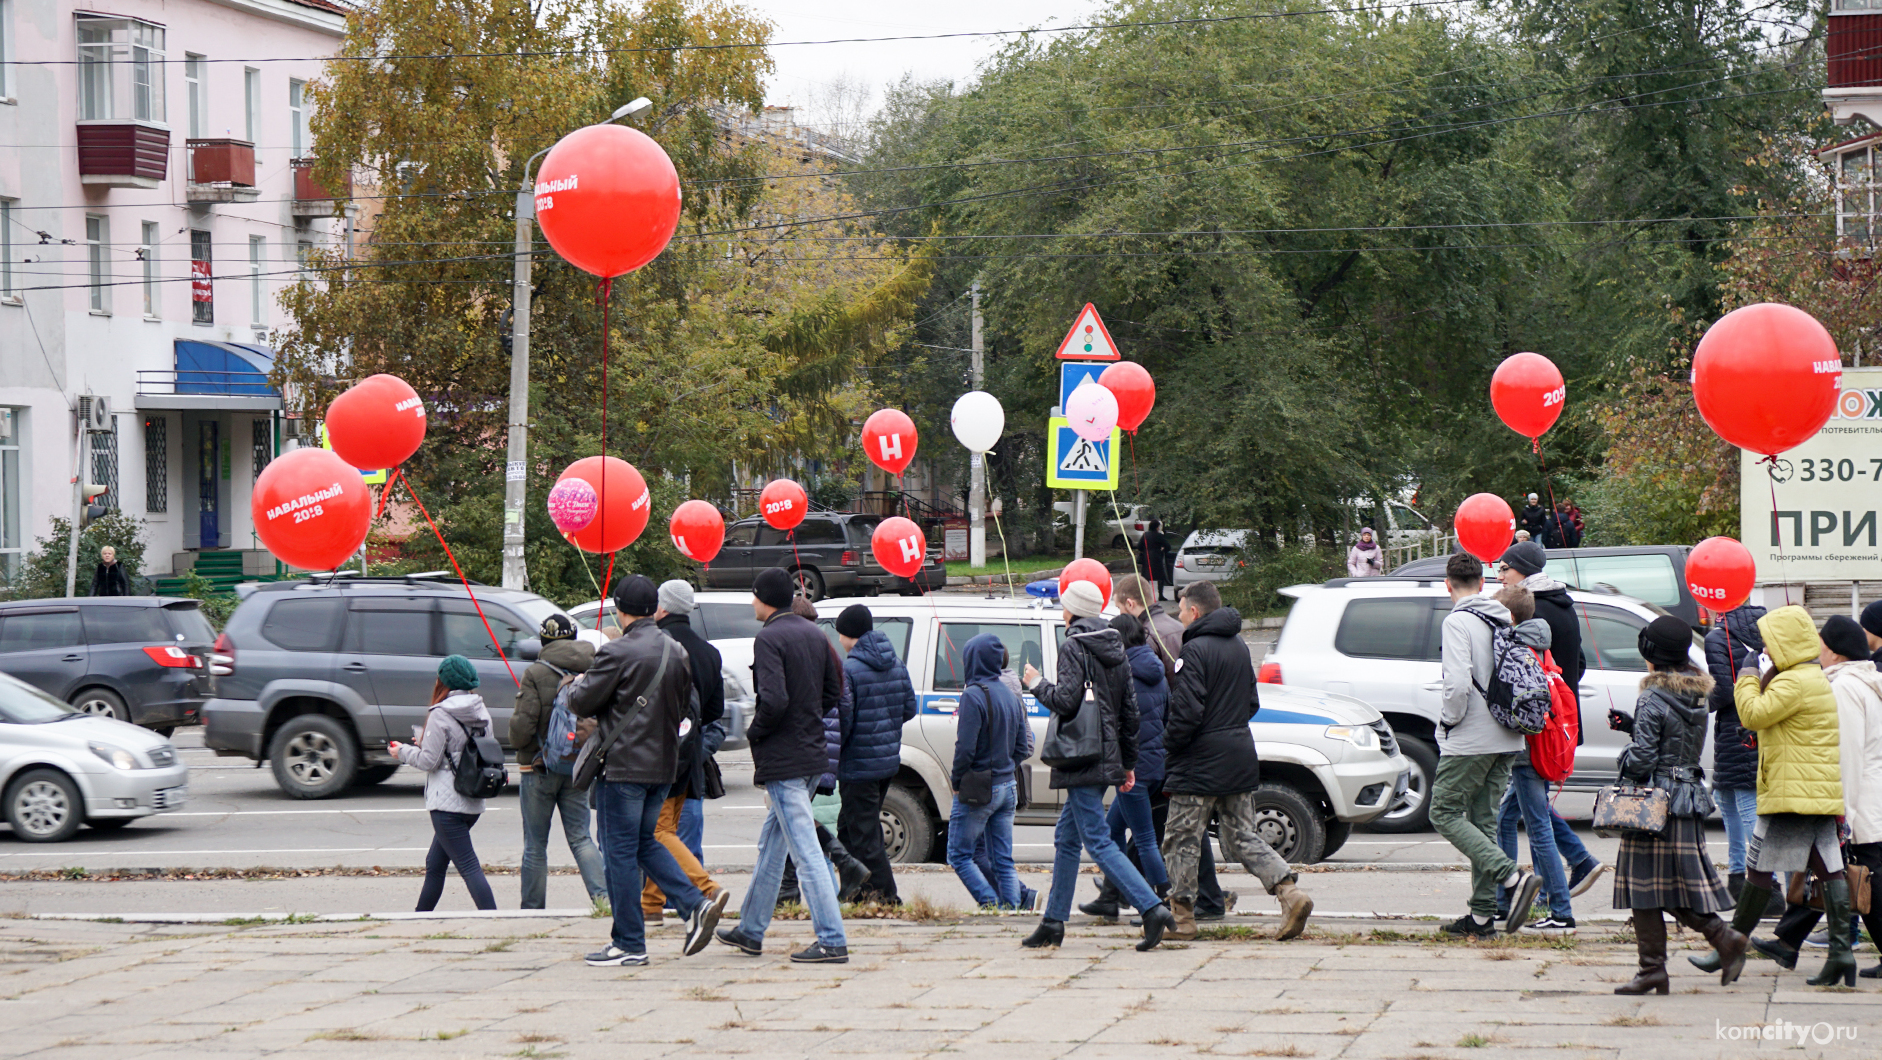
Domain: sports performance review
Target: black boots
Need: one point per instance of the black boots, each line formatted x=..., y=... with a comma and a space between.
x=1734, y=883
x=1157, y=920
x=1049, y=933
x=1106, y=906
x=1650, y=933
x=1841, y=964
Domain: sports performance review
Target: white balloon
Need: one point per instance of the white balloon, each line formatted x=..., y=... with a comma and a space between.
x=978, y=420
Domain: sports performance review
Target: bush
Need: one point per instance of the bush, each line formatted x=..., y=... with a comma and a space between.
x=1256, y=590
x=42, y=574
x=217, y=607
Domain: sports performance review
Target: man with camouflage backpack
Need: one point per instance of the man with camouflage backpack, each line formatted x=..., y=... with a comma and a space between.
x=1476, y=753
x=544, y=790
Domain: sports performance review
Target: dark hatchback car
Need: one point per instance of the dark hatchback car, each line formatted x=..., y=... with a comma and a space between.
x=1654, y=573
x=828, y=554
x=141, y=659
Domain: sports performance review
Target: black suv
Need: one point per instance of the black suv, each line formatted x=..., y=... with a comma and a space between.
x=828, y=554
x=316, y=675
x=141, y=659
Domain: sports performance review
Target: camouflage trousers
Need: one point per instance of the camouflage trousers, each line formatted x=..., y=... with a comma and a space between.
x=1188, y=829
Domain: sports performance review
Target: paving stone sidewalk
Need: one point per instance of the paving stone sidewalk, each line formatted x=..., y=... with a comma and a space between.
x=963, y=987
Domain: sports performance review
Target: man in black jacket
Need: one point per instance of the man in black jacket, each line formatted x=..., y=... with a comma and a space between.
x=640, y=688
x=1210, y=763
x=1534, y=516
x=797, y=680
x=684, y=799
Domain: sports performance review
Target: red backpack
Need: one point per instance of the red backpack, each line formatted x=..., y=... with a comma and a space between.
x=1552, y=751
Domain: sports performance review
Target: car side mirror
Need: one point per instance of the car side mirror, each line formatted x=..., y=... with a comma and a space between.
x=529, y=648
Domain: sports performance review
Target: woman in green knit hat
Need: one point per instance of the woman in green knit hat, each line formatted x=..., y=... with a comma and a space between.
x=457, y=714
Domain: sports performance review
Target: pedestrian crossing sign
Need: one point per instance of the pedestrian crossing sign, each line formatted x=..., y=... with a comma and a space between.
x=1075, y=463
x=371, y=478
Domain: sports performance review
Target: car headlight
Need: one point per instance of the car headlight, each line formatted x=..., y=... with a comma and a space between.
x=117, y=756
x=1359, y=736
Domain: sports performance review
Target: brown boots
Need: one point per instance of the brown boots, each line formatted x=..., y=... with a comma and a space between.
x=1650, y=931
x=1295, y=907
x=1185, y=913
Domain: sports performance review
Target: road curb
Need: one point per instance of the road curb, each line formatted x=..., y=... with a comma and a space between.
x=225, y=919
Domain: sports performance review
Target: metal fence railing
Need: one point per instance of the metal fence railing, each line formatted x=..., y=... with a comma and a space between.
x=1419, y=547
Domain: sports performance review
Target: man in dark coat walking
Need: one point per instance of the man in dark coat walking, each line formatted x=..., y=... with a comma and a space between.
x=882, y=700
x=797, y=681
x=1211, y=765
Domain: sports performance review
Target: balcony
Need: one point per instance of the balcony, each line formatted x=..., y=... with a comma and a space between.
x=1854, y=48
x=313, y=199
x=123, y=154
x=222, y=170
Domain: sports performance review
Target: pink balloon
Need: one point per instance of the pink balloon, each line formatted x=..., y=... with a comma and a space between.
x=573, y=503
x=1091, y=411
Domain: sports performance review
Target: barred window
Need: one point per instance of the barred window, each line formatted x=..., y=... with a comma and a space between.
x=264, y=445
x=104, y=464
x=156, y=464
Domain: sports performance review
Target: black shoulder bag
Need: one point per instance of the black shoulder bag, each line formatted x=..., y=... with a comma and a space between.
x=1076, y=742
x=477, y=771
x=594, y=754
x=977, y=784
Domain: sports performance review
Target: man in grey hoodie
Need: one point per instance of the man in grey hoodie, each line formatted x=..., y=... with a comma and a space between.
x=1475, y=754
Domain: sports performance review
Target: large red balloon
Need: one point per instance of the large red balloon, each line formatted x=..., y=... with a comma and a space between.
x=1087, y=570
x=1528, y=392
x=1765, y=377
x=899, y=546
x=311, y=509
x=1135, y=391
x=378, y=423
x=625, y=503
x=1485, y=526
x=889, y=440
x=1720, y=572
x=608, y=199
x=783, y=503
x=697, y=530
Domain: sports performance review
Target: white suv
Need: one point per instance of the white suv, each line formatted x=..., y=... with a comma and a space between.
x=1376, y=639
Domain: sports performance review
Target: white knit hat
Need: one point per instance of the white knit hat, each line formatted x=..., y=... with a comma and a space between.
x=1083, y=599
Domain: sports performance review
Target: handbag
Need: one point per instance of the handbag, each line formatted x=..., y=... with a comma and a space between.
x=1803, y=890
x=1620, y=809
x=594, y=753
x=1076, y=742
x=977, y=784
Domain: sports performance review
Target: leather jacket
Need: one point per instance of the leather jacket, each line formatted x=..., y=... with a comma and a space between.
x=1669, y=734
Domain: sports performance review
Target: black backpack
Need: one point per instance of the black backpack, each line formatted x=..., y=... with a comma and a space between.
x=1518, y=696
x=477, y=772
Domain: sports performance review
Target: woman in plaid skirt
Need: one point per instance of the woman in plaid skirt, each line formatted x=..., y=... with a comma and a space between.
x=1670, y=872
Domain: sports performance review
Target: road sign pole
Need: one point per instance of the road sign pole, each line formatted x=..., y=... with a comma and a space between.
x=1078, y=525
x=977, y=465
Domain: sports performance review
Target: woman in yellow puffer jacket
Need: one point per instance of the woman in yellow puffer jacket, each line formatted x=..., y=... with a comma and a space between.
x=1800, y=783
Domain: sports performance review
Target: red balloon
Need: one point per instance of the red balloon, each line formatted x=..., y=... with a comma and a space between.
x=1720, y=572
x=1528, y=392
x=889, y=440
x=1765, y=377
x=378, y=423
x=697, y=530
x=625, y=503
x=899, y=546
x=1135, y=391
x=311, y=509
x=608, y=199
x=1087, y=570
x=783, y=503
x=1485, y=526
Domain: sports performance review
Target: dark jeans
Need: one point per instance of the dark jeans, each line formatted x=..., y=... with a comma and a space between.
x=629, y=815
x=859, y=829
x=451, y=844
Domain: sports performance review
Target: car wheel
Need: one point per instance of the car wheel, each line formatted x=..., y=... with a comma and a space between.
x=1118, y=542
x=379, y=774
x=164, y=731
x=1412, y=812
x=109, y=824
x=313, y=757
x=1337, y=833
x=44, y=806
x=809, y=584
x=1289, y=822
x=101, y=702
x=908, y=834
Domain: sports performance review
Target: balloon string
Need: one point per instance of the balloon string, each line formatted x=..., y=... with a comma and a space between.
x=385, y=494
x=797, y=561
x=1119, y=516
x=1548, y=487
x=1771, y=480
x=460, y=577
x=582, y=558
x=604, y=291
x=609, y=577
x=1137, y=486
x=1006, y=559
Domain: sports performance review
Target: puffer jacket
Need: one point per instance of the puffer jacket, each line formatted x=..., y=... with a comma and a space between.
x=1669, y=735
x=1730, y=646
x=537, y=696
x=449, y=724
x=647, y=750
x=835, y=723
x=1208, y=748
x=1153, y=697
x=1858, y=688
x=1554, y=606
x=882, y=700
x=1094, y=652
x=1799, y=766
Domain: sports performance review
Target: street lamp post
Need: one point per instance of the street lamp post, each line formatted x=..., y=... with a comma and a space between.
x=515, y=484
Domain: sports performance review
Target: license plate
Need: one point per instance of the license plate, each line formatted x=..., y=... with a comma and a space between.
x=170, y=798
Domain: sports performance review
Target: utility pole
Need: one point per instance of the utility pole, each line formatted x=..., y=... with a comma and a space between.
x=515, y=486
x=976, y=462
x=80, y=475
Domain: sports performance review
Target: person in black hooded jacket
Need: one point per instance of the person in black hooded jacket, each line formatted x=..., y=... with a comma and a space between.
x=1733, y=644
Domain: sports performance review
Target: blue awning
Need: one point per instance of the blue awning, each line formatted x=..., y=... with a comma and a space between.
x=235, y=369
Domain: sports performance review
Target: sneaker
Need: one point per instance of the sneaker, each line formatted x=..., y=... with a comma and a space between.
x=1469, y=927
x=1819, y=939
x=1028, y=900
x=818, y=953
x=1581, y=881
x=706, y=917
x=614, y=956
x=1522, y=900
x=1552, y=925
x=741, y=942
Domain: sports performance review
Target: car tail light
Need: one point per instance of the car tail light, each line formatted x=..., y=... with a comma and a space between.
x=852, y=558
x=222, y=662
x=1179, y=564
x=170, y=655
x=1270, y=674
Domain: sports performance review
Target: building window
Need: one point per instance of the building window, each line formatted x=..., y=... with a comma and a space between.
x=304, y=254
x=195, y=73
x=120, y=70
x=7, y=290
x=97, y=247
x=104, y=463
x=1855, y=195
x=6, y=48
x=202, y=280
x=298, y=133
x=264, y=445
x=257, y=246
x=251, y=99
x=11, y=491
x=156, y=464
x=148, y=254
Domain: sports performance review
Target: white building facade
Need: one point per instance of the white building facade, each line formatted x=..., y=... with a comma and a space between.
x=154, y=201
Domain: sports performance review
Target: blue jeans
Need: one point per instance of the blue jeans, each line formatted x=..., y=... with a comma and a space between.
x=542, y=795
x=629, y=814
x=1131, y=810
x=1528, y=798
x=789, y=829
x=692, y=829
x=966, y=826
x=1081, y=826
x=1739, y=808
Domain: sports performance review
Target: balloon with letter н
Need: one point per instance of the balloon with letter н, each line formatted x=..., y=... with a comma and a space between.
x=1766, y=377
x=899, y=546
x=311, y=509
x=889, y=440
x=697, y=530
